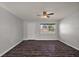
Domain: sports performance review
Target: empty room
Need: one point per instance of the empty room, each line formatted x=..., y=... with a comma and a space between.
x=39, y=29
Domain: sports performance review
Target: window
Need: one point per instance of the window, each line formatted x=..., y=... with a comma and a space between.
x=47, y=27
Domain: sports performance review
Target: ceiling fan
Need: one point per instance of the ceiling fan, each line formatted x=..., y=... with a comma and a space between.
x=45, y=14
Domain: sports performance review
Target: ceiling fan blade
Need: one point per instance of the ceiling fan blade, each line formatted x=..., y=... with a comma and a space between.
x=50, y=13
x=38, y=15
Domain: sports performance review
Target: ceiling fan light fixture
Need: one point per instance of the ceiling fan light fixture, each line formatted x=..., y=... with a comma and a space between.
x=44, y=17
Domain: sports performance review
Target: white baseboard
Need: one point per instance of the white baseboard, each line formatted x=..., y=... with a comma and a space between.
x=46, y=39
x=38, y=39
x=30, y=39
x=10, y=48
x=70, y=45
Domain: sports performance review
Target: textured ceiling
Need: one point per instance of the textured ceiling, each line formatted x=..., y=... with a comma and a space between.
x=29, y=10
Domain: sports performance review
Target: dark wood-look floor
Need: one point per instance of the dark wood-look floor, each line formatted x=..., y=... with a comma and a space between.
x=42, y=48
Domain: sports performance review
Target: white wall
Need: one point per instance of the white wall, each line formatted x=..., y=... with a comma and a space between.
x=11, y=31
x=34, y=31
x=69, y=30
